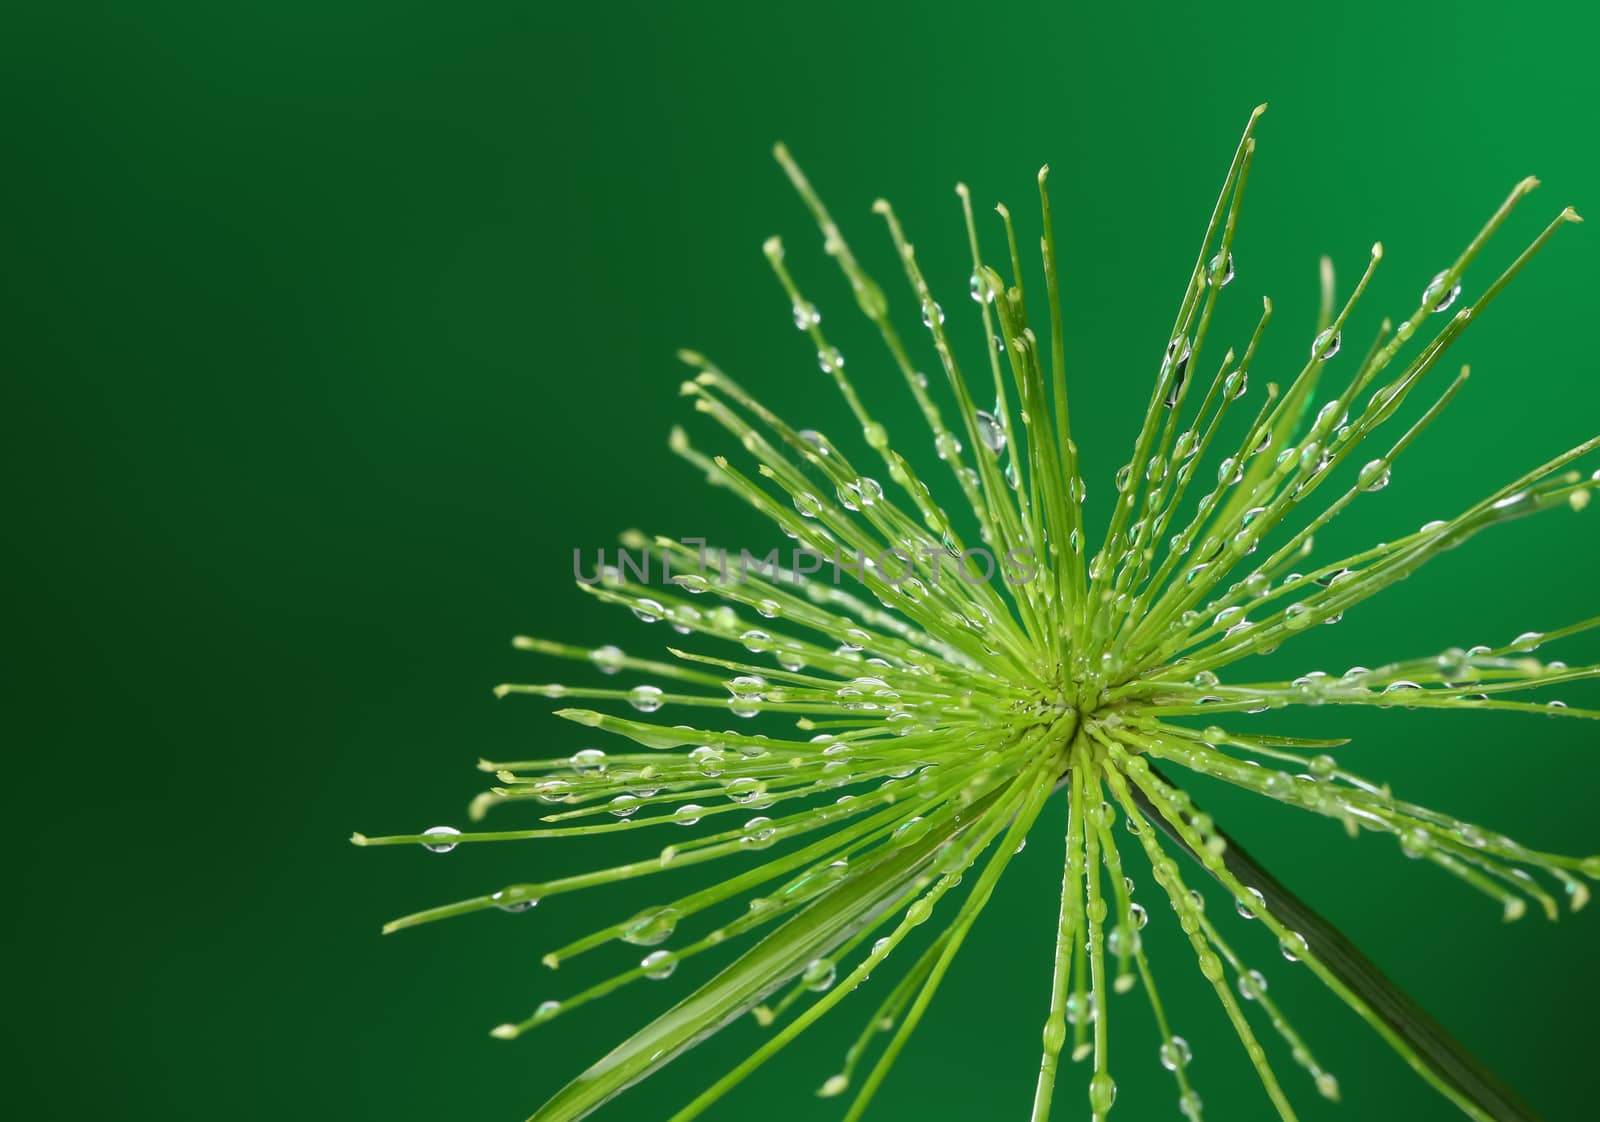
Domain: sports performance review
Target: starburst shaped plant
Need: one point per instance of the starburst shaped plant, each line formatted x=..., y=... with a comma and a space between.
x=945, y=687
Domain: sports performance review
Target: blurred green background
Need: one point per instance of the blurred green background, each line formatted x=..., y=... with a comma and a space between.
x=332, y=328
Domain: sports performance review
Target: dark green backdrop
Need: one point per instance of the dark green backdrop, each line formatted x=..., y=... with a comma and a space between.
x=331, y=328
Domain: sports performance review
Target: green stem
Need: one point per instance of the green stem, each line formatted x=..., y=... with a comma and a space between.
x=1443, y=1053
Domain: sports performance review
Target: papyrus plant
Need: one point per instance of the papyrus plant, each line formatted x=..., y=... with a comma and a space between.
x=929, y=714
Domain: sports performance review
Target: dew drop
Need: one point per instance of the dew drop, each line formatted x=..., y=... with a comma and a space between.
x=623, y=805
x=650, y=927
x=1326, y=344
x=1220, y=270
x=514, y=900
x=1175, y=1053
x=659, y=965
x=1080, y=1008
x=1527, y=641
x=1252, y=985
x=1415, y=842
x=440, y=832
x=759, y=833
x=1436, y=297
x=608, y=658
x=1374, y=476
x=646, y=699
x=819, y=975
x=589, y=759
x=746, y=789
x=991, y=432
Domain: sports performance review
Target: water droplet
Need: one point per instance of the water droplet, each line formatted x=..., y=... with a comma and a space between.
x=830, y=360
x=1080, y=1008
x=1252, y=985
x=759, y=833
x=1296, y=617
x=440, y=832
x=708, y=760
x=623, y=805
x=1177, y=357
x=980, y=290
x=650, y=927
x=1293, y=945
x=608, y=659
x=648, y=610
x=932, y=314
x=912, y=830
x=659, y=965
x=1326, y=344
x=806, y=503
x=819, y=974
x=1189, y=1105
x=1527, y=641
x=1374, y=476
x=991, y=432
x=589, y=759
x=1175, y=1053
x=646, y=699
x=516, y=899
x=747, y=686
x=1220, y=270
x=745, y=789
x=1244, y=908
x=1436, y=297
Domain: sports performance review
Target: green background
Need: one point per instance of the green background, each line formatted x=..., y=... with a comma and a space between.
x=332, y=328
